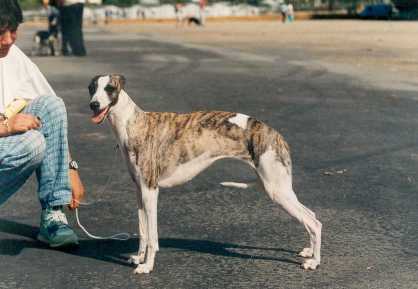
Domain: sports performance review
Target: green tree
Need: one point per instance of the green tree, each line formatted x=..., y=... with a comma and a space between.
x=406, y=4
x=28, y=4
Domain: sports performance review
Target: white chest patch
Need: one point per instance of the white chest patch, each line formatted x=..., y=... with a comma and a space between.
x=240, y=120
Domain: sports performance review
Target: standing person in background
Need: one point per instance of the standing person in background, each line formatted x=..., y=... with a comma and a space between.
x=202, y=5
x=290, y=13
x=71, y=13
x=283, y=11
x=53, y=14
x=179, y=17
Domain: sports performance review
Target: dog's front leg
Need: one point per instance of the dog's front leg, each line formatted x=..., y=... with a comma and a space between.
x=150, y=201
x=135, y=173
x=143, y=232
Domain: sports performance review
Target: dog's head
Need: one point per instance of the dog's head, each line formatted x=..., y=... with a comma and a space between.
x=104, y=93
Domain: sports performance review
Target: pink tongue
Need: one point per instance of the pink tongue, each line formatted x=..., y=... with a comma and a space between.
x=98, y=118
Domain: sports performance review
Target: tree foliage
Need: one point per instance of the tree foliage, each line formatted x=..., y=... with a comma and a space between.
x=406, y=4
x=28, y=4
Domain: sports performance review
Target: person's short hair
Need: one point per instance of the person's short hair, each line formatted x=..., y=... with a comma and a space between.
x=10, y=14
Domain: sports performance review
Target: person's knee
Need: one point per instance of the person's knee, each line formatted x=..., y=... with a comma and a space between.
x=52, y=103
x=51, y=100
x=24, y=157
x=32, y=148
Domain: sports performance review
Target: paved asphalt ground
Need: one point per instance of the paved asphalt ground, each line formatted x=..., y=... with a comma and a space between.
x=355, y=155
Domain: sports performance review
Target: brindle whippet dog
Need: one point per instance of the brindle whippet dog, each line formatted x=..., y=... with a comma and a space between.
x=164, y=149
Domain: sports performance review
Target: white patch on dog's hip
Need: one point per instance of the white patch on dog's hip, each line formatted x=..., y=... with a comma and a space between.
x=240, y=120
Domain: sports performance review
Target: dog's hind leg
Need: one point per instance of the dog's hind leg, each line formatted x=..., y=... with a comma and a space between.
x=150, y=201
x=277, y=181
x=309, y=251
x=311, y=224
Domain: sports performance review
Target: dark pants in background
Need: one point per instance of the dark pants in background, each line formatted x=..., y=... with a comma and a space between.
x=71, y=28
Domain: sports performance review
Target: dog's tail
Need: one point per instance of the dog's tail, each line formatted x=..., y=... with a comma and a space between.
x=239, y=185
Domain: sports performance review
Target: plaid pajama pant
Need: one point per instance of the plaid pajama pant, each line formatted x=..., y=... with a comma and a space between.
x=44, y=151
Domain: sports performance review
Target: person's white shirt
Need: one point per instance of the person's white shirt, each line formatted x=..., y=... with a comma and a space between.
x=20, y=77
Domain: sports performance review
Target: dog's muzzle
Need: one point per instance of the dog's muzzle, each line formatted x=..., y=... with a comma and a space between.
x=95, y=106
x=98, y=114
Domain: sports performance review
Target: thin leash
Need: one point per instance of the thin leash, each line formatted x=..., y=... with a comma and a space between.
x=120, y=236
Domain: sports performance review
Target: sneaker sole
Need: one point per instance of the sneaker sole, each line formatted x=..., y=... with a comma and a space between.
x=66, y=243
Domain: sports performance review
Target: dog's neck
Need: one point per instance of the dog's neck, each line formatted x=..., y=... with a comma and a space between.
x=121, y=113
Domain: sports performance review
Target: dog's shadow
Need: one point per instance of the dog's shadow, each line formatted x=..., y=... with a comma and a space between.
x=116, y=251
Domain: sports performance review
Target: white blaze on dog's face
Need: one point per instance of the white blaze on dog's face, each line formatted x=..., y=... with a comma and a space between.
x=104, y=91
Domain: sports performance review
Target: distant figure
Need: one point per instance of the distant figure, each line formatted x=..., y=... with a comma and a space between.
x=53, y=15
x=108, y=15
x=179, y=17
x=290, y=13
x=202, y=5
x=283, y=10
x=190, y=14
x=71, y=12
x=45, y=42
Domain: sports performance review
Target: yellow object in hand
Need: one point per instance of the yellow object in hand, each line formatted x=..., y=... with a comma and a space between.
x=16, y=106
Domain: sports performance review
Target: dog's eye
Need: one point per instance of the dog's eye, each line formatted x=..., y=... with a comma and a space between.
x=92, y=89
x=109, y=88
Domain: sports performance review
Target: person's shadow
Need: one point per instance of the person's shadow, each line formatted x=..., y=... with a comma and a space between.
x=116, y=251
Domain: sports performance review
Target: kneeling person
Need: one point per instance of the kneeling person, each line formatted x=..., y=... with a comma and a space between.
x=34, y=140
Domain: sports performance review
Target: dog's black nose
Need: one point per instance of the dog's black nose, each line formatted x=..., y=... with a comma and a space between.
x=94, y=105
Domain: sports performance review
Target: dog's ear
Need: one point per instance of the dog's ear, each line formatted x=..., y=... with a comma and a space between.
x=118, y=81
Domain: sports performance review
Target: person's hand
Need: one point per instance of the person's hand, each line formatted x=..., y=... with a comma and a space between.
x=77, y=189
x=23, y=122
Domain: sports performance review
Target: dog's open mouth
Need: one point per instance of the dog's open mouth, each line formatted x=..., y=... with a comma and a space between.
x=99, y=116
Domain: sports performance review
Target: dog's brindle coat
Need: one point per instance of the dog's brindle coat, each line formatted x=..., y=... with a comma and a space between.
x=164, y=149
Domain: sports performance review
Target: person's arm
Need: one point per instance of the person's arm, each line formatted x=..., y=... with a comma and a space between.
x=77, y=188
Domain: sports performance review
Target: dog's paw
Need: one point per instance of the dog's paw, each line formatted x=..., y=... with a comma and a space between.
x=306, y=253
x=310, y=264
x=135, y=259
x=141, y=257
x=143, y=269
